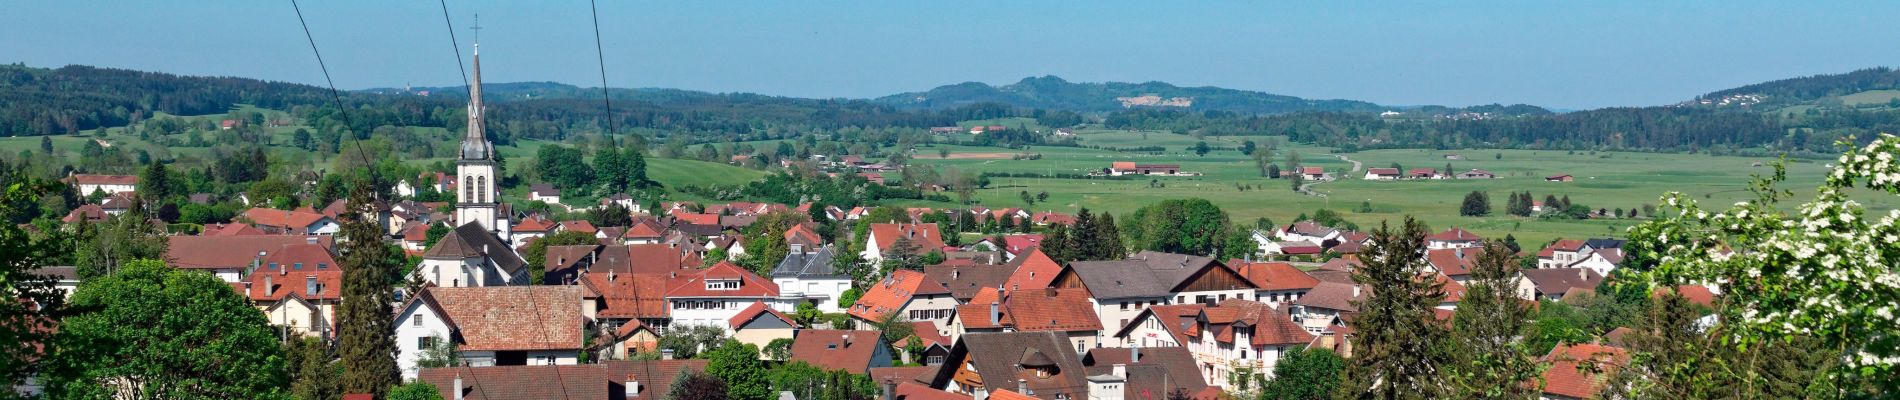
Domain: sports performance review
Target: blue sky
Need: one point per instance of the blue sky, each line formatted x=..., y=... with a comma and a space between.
x=1567, y=54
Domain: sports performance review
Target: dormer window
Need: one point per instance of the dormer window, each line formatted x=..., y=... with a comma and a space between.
x=723, y=284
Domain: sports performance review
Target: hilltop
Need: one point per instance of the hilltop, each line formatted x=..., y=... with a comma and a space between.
x=1051, y=92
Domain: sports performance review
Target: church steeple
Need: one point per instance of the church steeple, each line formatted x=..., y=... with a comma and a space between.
x=475, y=145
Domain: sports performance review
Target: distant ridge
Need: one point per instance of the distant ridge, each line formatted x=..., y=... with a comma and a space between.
x=1051, y=92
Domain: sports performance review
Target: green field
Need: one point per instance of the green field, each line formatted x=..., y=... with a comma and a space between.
x=1870, y=97
x=1603, y=180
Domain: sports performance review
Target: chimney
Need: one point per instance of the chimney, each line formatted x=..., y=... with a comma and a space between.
x=611, y=275
x=847, y=340
x=666, y=354
x=1355, y=291
x=890, y=390
x=310, y=240
x=1583, y=273
x=310, y=285
x=1022, y=386
x=1121, y=371
x=631, y=388
x=995, y=314
x=1134, y=353
x=267, y=285
x=458, y=386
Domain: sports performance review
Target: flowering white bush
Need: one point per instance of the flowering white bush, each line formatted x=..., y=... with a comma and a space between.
x=1827, y=270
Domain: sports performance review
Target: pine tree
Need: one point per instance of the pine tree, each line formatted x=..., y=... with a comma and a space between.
x=1056, y=244
x=1108, y=240
x=1488, y=330
x=1082, y=237
x=1400, y=348
x=365, y=334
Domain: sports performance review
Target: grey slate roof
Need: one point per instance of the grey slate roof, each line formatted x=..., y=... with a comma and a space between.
x=1556, y=281
x=808, y=266
x=1604, y=243
x=471, y=241
x=1145, y=274
x=999, y=357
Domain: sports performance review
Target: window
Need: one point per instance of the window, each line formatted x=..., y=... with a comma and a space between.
x=273, y=266
x=1124, y=306
x=417, y=321
x=425, y=342
x=296, y=266
x=322, y=266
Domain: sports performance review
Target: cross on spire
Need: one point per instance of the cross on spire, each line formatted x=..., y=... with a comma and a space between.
x=477, y=27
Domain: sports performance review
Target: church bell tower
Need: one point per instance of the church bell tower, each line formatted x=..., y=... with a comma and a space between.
x=475, y=199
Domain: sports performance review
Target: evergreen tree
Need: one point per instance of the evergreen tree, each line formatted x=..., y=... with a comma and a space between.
x=1488, y=331
x=314, y=372
x=1511, y=204
x=1108, y=240
x=46, y=145
x=155, y=183
x=1081, y=246
x=365, y=335
x=1400, y=348
x=636, y=161
x=1551, y=203
x=1056, y=244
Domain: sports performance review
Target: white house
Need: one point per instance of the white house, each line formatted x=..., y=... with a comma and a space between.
x=905, y=293
x=87, y=184
x=1241, y=339
x=713, y=296
x=492, y=326
x=883, y=236
x=544, y=193
x=1123, y=288
x=1382, y=174
x=808, y=276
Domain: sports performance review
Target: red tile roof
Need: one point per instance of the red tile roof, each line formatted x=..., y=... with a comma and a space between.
x=534, y=224
x=1383, y=171
x=86, y=213
x=214, y=252
x=828, y=349
x=288, y=270
x=694, y=284
x=288, y=221
x=1046, y=309
x=1312, y=170
x=577, y=226
x=759, y=310
x=1015, y=244
x=1454, y=235
x=630, y=296
x=925, y=236
x=513, y=317
x=1697, y=294
x=1034, y=270
x=1454, y=262
x=697, y=218
x=891, y=294
x=231, y=229
x=1566, y=376
x=1270, y=327
x=803, y=235
x=1274, y=275
x=1565, y=245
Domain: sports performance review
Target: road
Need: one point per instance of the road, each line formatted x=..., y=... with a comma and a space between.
x=1307, y=188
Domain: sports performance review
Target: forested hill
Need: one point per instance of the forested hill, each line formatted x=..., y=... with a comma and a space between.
x=1807, y=89
x=40, y=101
x=1053, y=93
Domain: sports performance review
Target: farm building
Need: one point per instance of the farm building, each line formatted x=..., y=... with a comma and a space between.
x=1382, y=174
x=1477, y=174
x=1120, y=168
x=1423, y=173
x=1560, y=178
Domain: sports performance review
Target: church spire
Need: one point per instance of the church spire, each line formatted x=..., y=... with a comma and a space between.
x=475, y=144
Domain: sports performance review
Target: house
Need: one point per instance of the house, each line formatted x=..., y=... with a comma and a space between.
x=1069, y=312
x=1275, y=283
x=1160, y=326
x=281, y=222
x=117, y=203
x=231, y=258
x=1560, y=178
x=856, y=352
x=577, y=226
x=907, y=293
x=630, y=339
x=1038, y=364
x=1119, y=168
x=624, y=302
x=298, y=288
x=1243, y=340
x=1452, y=238
x=620, y=379
x=85, y=213
x=643, y=231
x=1477, y=174
x=1553, y=283
x=1298, y=248
x=1047, y=218
x=620, y=199
x=1455, y=263
x=1143, y=373
x=1561, y=253
x=1016, y=244
x=1304, y=231
x=87, y=184
x=759, y=324
x=1122, y=288
x=489, y=326
x=1032, y=270
x=1320, y=309
x=801, y=238
x=470, y=256
x=532, y=227
x=809, y=276
x=715, y=296
x=1314, y=173
x=965, y=280
x=924, y=237
x=1580, y=371
x=227, y=124
x=66, y=277
x=1423, y=173
x=936, y=343
x=544, y=193
x=1382, y=174
x=1065, y=132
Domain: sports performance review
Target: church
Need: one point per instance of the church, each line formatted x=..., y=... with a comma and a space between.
x=476, y=252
